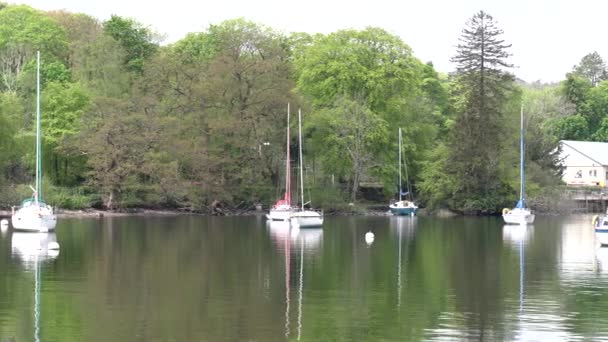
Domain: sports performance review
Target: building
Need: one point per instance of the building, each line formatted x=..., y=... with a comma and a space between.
x=585, y=162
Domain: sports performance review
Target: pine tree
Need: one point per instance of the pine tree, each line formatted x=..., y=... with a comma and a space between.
x=483, y=85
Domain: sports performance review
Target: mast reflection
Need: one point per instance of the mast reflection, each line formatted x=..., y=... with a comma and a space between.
x=303, y=241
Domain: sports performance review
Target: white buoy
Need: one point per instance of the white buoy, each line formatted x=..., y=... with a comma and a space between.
x=369, y=238
x=53, y=245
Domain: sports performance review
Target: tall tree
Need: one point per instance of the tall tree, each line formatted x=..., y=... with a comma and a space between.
x=138, y=41
x=483, y=85
x=23, y=30
x=350, y=129
x=378, y=72
x=593, y=68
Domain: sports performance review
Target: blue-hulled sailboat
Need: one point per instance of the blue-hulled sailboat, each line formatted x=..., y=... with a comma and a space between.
x=403, y=207
x=521, y=214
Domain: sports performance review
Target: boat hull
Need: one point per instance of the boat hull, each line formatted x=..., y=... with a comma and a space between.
x=283, y=214
x=601, y=236
x=404, y=211
x=403, y=208
x=518, y=216
x=34, y=220
x=307, y=218
x=600, y=224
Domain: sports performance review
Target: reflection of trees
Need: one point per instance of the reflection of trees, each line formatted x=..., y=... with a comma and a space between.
x=187, y=281
x=197, y=278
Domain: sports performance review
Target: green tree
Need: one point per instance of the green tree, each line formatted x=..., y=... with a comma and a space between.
x=595, y=108
x=575, y=88
x=593, y=68
x=117, y=141
x=574, y=127
x=483, y=86
x=9, y=144
x=378, y=71
x=64, y=105
x=137, y=40
x=23, y=30
x=601, y=134
x=349, y=127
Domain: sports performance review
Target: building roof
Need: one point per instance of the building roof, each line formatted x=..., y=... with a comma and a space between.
x=597, y=151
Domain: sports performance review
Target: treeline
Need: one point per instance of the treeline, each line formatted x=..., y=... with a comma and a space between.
x=129, y=122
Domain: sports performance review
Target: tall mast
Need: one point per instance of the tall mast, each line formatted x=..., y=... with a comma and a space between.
x=399, y=164
x=287, y=197
x=38, y=142
x=521, y=160
x=301, y=163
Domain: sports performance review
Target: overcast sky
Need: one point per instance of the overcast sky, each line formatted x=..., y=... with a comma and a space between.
x=549, y=36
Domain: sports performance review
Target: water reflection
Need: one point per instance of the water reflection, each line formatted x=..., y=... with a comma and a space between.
x=301, y=240
x=32, y=249
x=577, y=248
x=403, y=227
x=601, y=255
x=515, y=235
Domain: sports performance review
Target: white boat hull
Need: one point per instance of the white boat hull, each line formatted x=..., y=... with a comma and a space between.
x=279, y=214
x=518, y=216
x=600, y=225
x=307, y=218
x=602, y=237
x=34, y=219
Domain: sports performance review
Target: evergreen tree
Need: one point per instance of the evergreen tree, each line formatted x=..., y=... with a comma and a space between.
x=483, y=86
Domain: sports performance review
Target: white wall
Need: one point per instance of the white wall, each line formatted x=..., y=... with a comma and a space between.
x=580, y=170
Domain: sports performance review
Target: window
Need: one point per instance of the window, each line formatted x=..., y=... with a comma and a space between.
x=579, y=174
x=593, y=173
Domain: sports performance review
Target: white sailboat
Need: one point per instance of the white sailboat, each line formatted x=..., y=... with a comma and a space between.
x=304, y=217
x=521, y=214
x=33, y=214
x=281, y=210
x=403, y=207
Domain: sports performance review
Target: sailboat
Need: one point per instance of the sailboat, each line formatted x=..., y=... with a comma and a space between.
x=521, y=214
x=403, y=207
x=34, y=214
x=304, y=217
x=281, y=210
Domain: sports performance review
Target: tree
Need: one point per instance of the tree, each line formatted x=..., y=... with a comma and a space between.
x=593, y=68
x=595, y=108
x=23, y=30
x=117, y=141
x=64, y=105
x=483, y=86
x=574, y=127
x=350, y=127
x=377, y=71
x=137, y=41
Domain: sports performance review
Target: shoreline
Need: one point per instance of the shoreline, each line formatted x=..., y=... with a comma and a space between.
x=96, y=213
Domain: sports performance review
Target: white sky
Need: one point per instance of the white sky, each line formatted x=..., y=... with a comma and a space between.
x=549, y=36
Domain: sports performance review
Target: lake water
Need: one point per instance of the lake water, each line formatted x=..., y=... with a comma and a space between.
x=194, y=278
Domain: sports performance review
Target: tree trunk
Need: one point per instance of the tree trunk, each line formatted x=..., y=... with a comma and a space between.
x=110, y=199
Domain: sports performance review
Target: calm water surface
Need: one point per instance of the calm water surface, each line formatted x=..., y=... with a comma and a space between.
x=229, y=279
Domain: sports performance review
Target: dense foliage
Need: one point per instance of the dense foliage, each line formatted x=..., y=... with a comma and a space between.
x=131, y=123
